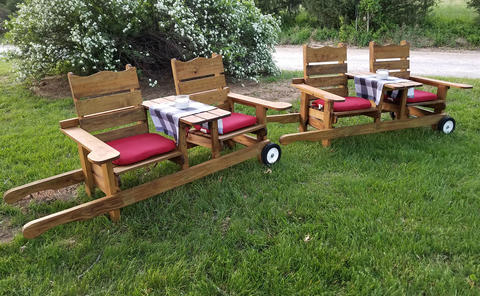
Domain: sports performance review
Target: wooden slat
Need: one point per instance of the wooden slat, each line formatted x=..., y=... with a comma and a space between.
x=391, y=65
x=130, y=196
x=104, y=82
x=107, y=103
x=284, y=118
x=123, y=132
x=213, y=96
x=201, y=84
x=67, y=123
x=250, y=101
x=391, y=51
x=192, y=120
x=427, y=103
x=325, y=54
x=51, y=183
x=361, y=129
x=125, y=168
x=114, y=119
x=220, y=112
x=242, y=131
x=435, y=82
x=355, y=112
x=198, y=67
x=207, y=115
x=326, y=69
x=318, y=93
x=327, y=81
x=339, y=91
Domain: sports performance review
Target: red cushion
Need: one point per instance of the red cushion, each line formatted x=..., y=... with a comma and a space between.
x=419, y=96
x=422, y=96
x=350, y=104
x=140, y=147
x=232, y=123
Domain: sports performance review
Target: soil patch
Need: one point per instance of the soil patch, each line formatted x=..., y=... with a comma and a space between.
x=7, y=231
x=65, y=194
x=56, y=87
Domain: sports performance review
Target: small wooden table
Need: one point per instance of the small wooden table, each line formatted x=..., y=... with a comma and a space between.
x=402, y=86
x=211, y=117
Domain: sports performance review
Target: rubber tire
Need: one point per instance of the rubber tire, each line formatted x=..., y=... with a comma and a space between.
x=444, y=125
x=270, y=159
x=392, y=115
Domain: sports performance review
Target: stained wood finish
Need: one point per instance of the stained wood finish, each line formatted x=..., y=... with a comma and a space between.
x=113, y=119
x=325, y=77
x=204, y=80
x=284, y=118
x=59, y=181
x=127, y=197
x=101, y=83
x=108, y=103
x=396, y=59
x=363, y=129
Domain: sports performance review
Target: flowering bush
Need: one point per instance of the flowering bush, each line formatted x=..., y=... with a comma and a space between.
x=85, y=36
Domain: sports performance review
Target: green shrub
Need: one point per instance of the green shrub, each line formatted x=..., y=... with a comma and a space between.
x=85, y=36
x=475, y=4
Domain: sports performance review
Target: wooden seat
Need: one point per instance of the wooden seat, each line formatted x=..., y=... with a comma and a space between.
x=108, y=105
x=325, y=83
x=204, y=80
x=396, y=59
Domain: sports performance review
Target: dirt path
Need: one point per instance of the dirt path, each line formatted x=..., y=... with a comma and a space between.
x=431, y=62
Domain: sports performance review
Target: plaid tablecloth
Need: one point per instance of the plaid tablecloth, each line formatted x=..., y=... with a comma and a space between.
x=166, y=116
x=370, y=87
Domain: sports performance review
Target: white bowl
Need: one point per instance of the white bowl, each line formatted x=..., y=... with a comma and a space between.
x=382, y=74
x=182, y=101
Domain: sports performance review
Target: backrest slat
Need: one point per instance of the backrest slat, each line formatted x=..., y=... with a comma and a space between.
x=104, y=82
x=113, y=119
x=395, y=58
x=201, y=78
x=325, y=67
x=107, y=103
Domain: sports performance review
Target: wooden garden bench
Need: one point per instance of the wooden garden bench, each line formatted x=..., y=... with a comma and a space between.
x=203, y=79
x=396, y=59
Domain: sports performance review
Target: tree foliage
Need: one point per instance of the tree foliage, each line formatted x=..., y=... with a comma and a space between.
x=475, y=4
x=85, y=36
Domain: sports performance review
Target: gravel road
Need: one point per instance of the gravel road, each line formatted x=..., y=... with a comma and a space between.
x=429, y=62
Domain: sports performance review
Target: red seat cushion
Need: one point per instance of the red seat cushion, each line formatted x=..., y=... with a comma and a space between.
x=419, y=96
x=140, y=147
x=350, y=104
x=232, y=123
x=422, y=96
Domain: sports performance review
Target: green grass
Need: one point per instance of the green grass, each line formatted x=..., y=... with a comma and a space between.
x=387, y=214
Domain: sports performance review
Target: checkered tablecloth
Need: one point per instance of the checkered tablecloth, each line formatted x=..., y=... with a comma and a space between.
x=166, y=116
x=370, y=87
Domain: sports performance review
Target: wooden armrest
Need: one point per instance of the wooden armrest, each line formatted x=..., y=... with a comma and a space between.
x=318, y=93
x=100, y=152
x=435, y=82
x=249, y=101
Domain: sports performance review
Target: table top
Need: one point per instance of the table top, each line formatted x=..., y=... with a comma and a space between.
x=194, y=119
x=393, y=86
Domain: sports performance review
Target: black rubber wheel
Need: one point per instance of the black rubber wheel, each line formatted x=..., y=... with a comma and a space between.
x=271, y=153
x=392, y=115
x=446, y=125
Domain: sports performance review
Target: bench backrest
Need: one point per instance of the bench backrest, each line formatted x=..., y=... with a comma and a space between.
x=395, y=58
x=325, y=68
x=110, y=102
x=201, y=78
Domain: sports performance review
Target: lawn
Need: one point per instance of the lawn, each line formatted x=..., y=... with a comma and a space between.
x=390, y=214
